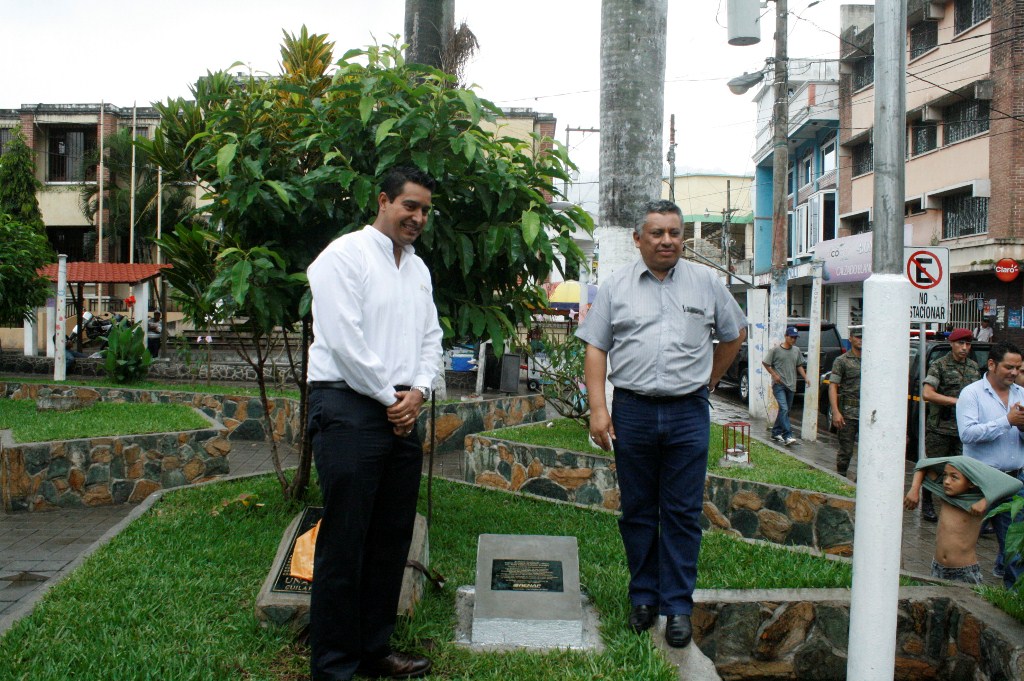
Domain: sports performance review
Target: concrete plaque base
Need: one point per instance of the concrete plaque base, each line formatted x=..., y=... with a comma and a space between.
x=275, y=607
x=527, y=592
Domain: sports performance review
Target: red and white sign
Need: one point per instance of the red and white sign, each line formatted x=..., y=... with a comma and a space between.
x=927, y=270
x=1007, y=269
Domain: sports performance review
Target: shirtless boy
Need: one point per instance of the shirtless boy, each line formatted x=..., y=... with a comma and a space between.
x=964, y=501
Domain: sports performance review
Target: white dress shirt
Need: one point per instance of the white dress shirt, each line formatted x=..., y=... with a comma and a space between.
x=374, y=323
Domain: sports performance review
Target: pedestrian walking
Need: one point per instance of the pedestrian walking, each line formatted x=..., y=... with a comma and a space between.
x=376, y=349
x=990, y=419
x=946, y=377
x=844, y=397
x=783, y=362
x=653, y=323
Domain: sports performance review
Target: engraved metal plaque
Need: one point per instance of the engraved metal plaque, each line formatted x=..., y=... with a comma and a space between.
x=285, y=583
x=526, y=575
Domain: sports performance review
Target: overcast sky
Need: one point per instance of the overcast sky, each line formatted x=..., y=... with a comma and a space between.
x=543, y=54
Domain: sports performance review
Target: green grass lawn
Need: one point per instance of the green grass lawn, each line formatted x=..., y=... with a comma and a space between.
x=770, y=465
x=206, y=388
x=96, y=420
x=172, y=596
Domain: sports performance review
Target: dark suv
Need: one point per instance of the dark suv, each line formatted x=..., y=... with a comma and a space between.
x=830, y=348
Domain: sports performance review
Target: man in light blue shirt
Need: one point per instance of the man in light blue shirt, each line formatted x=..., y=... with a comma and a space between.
x=989, y=417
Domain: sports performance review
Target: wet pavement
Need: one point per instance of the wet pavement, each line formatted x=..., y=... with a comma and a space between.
x=38, y=549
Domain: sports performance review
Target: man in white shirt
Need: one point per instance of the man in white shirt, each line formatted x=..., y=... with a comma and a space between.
x=376, y=350
x=984, y=332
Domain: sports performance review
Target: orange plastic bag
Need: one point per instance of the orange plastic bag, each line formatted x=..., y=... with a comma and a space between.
x=302, y=554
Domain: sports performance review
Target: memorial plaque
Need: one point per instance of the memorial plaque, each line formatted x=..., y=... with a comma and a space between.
x=527, y=592
x=284, y=582
x=526, y=575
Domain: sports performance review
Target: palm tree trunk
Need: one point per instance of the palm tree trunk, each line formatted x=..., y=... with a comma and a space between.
x=633, y=37
x=428, y=27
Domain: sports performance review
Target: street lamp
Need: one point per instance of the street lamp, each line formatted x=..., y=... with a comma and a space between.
x=740, y=84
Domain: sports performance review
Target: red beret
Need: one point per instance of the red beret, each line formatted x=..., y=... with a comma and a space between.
x=960, y=334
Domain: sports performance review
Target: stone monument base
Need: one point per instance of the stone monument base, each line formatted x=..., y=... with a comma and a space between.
x=464, y=599
x=284, y=600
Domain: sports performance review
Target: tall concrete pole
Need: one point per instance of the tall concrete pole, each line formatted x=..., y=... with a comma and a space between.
x=883, y=410
x=633, y=39
x=60, y=366
x=778, y=305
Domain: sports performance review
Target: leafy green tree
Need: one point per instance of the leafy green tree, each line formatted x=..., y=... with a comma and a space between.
x=293, y=161
x=176, y=200
x=18, y=183
x=23, y=250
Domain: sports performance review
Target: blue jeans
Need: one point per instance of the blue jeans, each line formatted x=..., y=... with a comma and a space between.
x=661, y=453
x=784, y=396
x=1012, y=569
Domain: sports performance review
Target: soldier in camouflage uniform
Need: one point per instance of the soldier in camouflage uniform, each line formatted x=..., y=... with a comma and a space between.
x=844, y=396
x=947, y=376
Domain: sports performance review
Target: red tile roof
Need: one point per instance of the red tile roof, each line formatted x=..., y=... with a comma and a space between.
x=104, y=272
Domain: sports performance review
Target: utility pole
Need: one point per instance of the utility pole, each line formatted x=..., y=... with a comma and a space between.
x=778, y=306
x=877, y=536
x=568, y=129
x=672, y=158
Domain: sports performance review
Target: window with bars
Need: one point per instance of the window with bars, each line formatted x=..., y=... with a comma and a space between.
x=964, y=119
x=5, y=137
x=964, y=215
x=967, y=13
x=923, y=37
x=858, y=224
x=863, y=71
x=923, y=137
x=66, y=150
x=863, y=158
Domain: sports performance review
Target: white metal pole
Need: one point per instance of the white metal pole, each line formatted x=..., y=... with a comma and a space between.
x=159, y=210
x=131, y=196
x=99, y=212
x=60, y=350
x=809, y=427
x=883, y=410
x=922, y=348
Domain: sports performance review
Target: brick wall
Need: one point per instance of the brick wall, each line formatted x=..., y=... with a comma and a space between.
x=1006, y=135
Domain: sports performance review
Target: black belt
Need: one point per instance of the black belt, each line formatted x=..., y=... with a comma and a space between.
x=663, y=399
x=342, y=385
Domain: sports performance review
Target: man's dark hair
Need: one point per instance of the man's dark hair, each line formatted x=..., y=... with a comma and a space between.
x=1001, y=349
x=662, y=206
x=399, y=175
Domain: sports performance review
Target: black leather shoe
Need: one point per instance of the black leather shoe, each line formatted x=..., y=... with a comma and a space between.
x=395, y=666
x=678, y=631
x=642, y=617
x=928, y=513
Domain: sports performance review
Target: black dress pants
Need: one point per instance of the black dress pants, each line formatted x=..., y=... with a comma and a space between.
x=370, y=479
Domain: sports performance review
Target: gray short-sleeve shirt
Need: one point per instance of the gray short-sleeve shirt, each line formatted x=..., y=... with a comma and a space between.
x=658, y=334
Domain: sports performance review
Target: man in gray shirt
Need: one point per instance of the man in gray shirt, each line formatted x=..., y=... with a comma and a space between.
x=783, y=363
x=653, y=323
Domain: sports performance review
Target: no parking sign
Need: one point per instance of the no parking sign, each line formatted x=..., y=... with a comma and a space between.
x=928, y=272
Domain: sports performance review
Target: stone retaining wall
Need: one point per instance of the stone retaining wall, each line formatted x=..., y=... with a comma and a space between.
x=942, y=633
x=751, y=509
x=242, y=415
x=107, y=470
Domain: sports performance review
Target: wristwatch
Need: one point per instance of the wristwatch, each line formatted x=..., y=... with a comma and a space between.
x=424, y=390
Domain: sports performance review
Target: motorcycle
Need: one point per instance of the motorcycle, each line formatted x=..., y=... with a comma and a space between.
x=96, y=329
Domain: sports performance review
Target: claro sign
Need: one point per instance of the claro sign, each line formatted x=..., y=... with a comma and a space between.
x=1007, y=269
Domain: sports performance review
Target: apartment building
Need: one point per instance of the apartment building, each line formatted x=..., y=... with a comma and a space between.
x=62, y=136
x=812, y=179
x=965, y=145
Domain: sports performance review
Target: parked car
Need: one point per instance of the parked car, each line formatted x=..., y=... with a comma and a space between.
x=831, y=347
x=935, y=349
